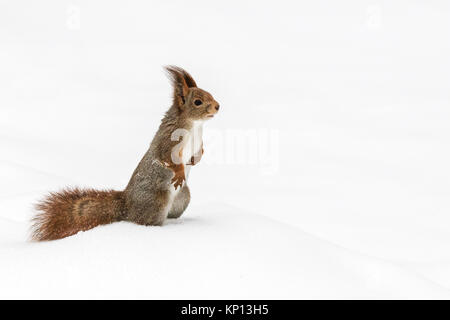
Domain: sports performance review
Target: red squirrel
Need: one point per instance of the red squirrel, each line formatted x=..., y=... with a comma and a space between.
x=157, y=189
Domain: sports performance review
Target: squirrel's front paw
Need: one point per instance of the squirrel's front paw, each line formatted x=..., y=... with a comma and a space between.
x=196, y=158
x=178, y=181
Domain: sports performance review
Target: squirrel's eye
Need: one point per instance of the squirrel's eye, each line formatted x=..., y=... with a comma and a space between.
x=198, y=102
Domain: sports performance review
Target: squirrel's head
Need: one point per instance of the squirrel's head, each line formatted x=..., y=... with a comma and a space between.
x=195, y=103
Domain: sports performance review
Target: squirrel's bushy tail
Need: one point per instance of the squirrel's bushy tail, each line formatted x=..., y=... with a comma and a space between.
x=62, y=214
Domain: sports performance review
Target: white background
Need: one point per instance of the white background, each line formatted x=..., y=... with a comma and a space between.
x=355, y=93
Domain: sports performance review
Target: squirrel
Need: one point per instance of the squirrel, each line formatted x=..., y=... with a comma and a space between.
x=157, y=189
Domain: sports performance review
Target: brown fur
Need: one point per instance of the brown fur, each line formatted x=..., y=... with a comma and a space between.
x=147, y=199
x=179, y=177
x=69, y=211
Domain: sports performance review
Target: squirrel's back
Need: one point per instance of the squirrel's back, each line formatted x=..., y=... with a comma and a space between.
x=69, y=211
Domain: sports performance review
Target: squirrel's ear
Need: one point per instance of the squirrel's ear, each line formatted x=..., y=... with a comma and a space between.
x=181, y=82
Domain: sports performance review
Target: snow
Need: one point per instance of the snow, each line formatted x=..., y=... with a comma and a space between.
x=325, y=173
x=217, y=252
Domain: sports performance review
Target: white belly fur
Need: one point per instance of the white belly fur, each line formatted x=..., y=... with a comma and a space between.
x=192, y=147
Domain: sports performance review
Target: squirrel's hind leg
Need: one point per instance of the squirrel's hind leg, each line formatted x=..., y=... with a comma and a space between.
x=148, y=196
x=151, y=210
x=180, y=203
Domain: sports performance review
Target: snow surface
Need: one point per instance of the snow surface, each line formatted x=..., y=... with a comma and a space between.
x=347, y=195
x=218, y=252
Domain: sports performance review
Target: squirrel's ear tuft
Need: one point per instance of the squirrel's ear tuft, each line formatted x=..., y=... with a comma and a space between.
x=181, y=82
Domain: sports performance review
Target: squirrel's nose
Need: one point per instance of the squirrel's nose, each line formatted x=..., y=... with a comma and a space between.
x=217, y=107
